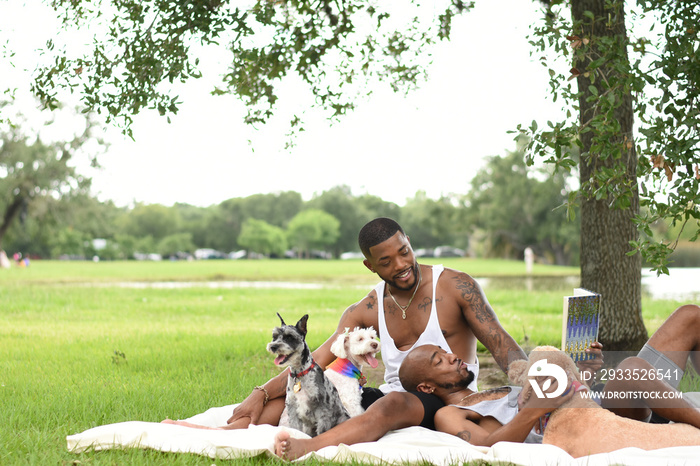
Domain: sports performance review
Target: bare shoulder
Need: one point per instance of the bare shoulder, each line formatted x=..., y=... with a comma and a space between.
x=362, y=313
x=460, y=413
x=461, y=283
x=468, y=294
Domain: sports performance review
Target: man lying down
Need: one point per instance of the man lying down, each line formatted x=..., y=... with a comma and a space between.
x=669, y=349
x=571, y=421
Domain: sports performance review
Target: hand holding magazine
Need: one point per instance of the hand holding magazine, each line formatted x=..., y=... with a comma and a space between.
x=580, y=323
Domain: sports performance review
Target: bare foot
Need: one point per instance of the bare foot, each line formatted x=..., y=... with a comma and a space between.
x=289, y=448
x=188, y=424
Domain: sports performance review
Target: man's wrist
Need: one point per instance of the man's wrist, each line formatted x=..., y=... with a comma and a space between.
x=264, y=390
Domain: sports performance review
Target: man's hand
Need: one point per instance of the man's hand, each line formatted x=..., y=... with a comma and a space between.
x=537, y=408
x=542, y=406
x=251, y=408
x=362, y=380
x=590, y=367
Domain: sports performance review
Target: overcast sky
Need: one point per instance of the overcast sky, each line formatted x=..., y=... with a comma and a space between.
x=482, y=84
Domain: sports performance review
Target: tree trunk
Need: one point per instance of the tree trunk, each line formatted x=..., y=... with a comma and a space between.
x=606, y=231
x=11, y=212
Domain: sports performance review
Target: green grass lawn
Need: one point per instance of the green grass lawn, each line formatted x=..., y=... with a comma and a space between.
x=78, y=350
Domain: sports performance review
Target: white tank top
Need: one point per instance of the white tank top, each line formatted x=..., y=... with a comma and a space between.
x=432, y=335
x=503, y=410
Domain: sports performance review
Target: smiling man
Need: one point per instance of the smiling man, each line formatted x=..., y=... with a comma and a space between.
x=413, y=305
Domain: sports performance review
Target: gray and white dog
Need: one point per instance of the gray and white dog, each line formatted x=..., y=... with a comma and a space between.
x=312, y=403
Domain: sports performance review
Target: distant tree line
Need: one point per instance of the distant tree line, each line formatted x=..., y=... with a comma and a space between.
x=50, y=213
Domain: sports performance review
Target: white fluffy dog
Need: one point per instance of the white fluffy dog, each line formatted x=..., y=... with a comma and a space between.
x=353, y=349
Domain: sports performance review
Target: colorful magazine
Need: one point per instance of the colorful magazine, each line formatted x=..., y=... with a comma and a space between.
x=580, y=323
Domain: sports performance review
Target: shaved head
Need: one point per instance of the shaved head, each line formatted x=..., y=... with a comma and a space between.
x=412, y=370
x=420, y=367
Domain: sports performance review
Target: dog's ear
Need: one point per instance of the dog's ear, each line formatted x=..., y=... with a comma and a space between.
x=338, y=346
x=564, y=361
x=517, y=372
x=281, y=319
x=301, y=325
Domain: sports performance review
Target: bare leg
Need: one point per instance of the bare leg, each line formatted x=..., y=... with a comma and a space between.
x=679, y=336
x=393, y=411
x=188, y=424
x=662, y=400
x=271, y=415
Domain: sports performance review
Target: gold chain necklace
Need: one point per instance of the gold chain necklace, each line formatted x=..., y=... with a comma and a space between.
x=403, y=308
x=464, y=398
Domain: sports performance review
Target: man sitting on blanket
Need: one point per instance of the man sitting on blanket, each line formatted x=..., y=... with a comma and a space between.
x=491, y=416
x=413, y=305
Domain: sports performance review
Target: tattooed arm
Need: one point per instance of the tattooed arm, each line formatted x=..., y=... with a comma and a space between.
x=483, y=321
x=474, y=429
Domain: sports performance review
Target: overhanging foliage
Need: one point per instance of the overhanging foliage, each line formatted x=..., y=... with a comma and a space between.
x=663, y=77
x=140, y=48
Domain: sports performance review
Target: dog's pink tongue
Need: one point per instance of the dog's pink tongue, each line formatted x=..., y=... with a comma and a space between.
x=372, y=361
x=279, y=359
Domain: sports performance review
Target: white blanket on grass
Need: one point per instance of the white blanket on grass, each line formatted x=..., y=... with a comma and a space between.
x=410, y=445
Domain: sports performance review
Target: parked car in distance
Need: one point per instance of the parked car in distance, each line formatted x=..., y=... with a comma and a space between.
x=449, y=251
x=207, y=253
x=423, y=252
x=238, y=254
x=351, y=255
